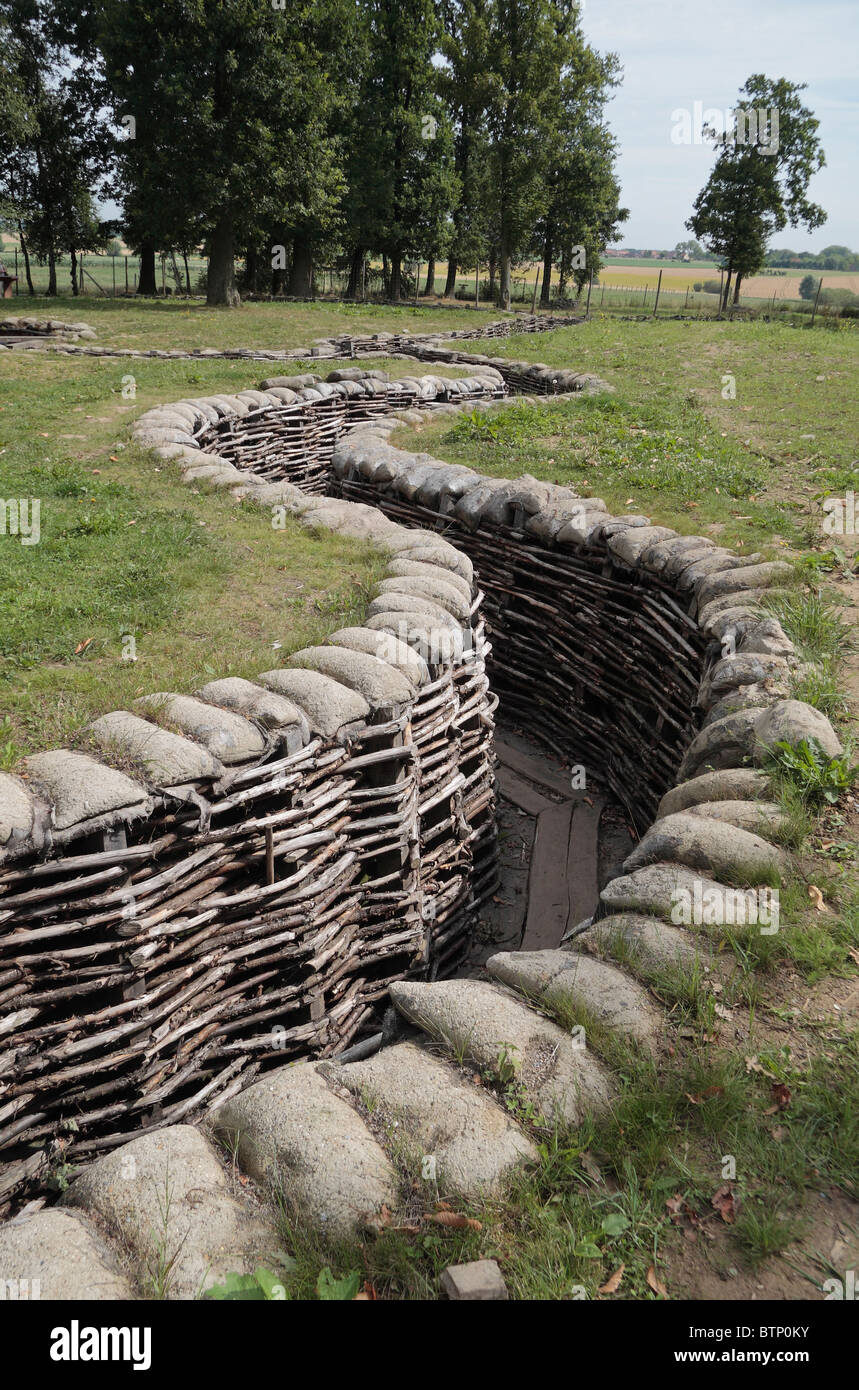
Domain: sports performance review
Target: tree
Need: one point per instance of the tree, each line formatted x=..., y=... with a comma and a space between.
x=531, y=44
x=402, y=183
x=60, y=144
x=808, y=287
x=582, y=210
x=691, y=249
x=759, y=183
x=463, y=83
x=222, y=147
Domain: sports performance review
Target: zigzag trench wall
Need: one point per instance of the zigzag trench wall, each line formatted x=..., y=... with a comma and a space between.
x=217, y=884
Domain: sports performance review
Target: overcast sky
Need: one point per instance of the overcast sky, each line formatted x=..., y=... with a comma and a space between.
x=677, y=52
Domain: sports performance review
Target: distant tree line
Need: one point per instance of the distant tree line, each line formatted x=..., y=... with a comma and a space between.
x=830, y=258
x=291, y=134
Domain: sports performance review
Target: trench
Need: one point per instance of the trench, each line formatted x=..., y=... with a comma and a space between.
x=596, y=667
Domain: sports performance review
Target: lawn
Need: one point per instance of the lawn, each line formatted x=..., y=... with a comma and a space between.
x=205, y=586
x=736, y=430
x=163, y=323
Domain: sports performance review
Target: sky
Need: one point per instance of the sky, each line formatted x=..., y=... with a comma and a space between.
x=678, y=52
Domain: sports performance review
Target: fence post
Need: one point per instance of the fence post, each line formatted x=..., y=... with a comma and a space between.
x=644, y=300
x=477, y=287
x=658, y=288
x=113, y=268
x=16, y=271
x=816, y=297
x=125, y=258
x=686, y=302
x=590, y=287
x=602, y=296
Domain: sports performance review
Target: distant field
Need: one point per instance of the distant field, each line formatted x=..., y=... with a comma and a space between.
x=675, y=277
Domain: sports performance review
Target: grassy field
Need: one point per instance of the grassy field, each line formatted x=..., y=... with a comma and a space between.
x=152, y=323
x=208, y=588
x=751, y=468
x=205, y=586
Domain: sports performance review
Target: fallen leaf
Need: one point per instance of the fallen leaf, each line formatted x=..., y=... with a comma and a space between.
x=591, y=1166
x=723, y=1201
x=817, y=898
x=612, y=1284
x=675, y=1206
x=781, y=1095
x=705, y=1095
x=454, y=1219
x=656, y=1284
x=82, y=646
x=722, y=1012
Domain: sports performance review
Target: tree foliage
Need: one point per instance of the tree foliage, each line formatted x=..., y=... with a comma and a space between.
x=759, y=184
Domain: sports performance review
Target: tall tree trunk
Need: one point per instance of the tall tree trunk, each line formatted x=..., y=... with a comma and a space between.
x=187, y=274
x=356, y=273
x=386, y=276
x=73, y=271
x=505, y=258
x=563, y=276
x=450, y=282
x=727, y=289
x=429, y=287
x=737, y=283
x=26, y=254
x=547, y=269
x=396, y=275
x=493, y=276
x=301, y=271
x=222, y=270
x=52, y=273
x=146, y=284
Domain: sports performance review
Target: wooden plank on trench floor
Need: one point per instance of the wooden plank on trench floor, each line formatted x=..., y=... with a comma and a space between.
x=514, y=788
x=582, y=860
x=548, y=895
x=533, y=768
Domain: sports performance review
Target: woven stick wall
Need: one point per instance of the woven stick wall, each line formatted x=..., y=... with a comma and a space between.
x=248, y=893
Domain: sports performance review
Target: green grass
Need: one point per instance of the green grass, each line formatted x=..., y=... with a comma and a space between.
x=206, y=586
x=152, y=323
x=750, y=471
x=596, y=1197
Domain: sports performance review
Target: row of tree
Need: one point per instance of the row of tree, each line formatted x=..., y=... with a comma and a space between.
x=290, y=133
x=830, y=258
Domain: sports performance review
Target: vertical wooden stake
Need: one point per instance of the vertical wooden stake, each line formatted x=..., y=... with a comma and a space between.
x=590, y=287
x=477, y=287
x=658, y=288
x=816, y=298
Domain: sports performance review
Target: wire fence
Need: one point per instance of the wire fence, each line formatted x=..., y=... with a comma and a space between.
x=102, y=275
x=106, y=275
